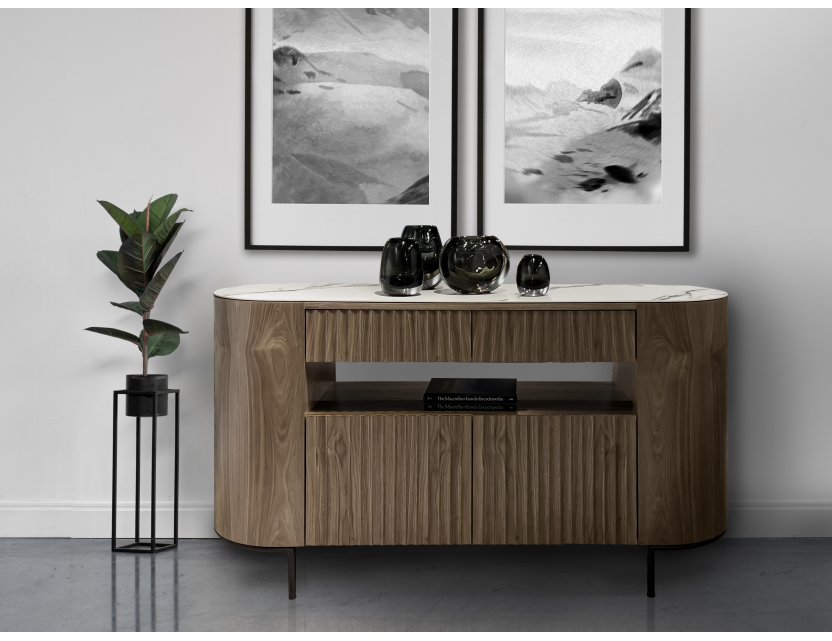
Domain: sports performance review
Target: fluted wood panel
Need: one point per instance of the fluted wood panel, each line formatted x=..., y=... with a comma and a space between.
x=682, y=421
x=553, y=336
x=259, y=400
x=554, y=479
x=387, y=335
x=388, y=480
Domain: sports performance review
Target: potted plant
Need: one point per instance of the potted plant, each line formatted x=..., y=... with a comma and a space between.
x=146, y=237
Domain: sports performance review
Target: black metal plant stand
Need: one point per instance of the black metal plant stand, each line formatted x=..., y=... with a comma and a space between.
x=151, y=545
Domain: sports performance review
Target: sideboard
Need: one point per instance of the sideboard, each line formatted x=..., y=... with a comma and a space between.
x=303, y=459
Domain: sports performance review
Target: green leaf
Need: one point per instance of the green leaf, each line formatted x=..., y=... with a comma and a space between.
x=160, y=255
x=154, y=287
x=137, y=218
x=161, y=232
x=117, y=333
x=132, y=306
x=153, y=326
x=135, y=259
x=160, y=344
x=159, y=210
x=110, y=259
x=124, y=220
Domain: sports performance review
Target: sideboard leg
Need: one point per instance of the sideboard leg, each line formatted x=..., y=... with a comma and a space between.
x=293, y=594
x=651, y=572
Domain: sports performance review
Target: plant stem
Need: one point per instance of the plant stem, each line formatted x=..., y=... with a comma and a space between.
x=145, y=357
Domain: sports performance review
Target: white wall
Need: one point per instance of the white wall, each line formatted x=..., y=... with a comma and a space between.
x=120, y=105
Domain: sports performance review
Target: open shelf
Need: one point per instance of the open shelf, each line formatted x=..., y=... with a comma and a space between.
x=533, y=397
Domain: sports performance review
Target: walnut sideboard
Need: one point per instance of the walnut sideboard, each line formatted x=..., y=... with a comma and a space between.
x=302, y=459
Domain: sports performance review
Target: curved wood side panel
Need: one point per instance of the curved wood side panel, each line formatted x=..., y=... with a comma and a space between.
x=259, y=401
x=682, y=424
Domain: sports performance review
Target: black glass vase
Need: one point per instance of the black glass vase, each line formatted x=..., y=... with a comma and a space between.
x=401, y=267
x=533, y=276
x=430, y=245
x=474, y=264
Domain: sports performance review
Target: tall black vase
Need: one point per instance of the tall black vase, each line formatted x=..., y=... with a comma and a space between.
x=400, y=273
x=430, y=245
x=142, y=405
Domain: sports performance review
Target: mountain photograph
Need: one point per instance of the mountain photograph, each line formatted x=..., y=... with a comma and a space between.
x=351, y=106
x=583, y=106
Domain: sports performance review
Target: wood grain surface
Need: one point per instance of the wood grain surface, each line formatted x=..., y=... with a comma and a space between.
x=682, y=421
x=259, y=400
x=383, y=480
x=387, y=335
x=553, y=336
x=554, y=479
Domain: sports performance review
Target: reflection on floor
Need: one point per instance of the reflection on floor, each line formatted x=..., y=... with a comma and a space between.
x=734, y=584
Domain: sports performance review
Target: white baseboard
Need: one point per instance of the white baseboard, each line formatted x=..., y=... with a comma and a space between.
x=196, y=520
x=780, y=519
x=93, y=520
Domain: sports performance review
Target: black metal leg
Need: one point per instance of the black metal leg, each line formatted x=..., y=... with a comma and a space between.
x=293, y=593
x=176, y=472
x=115, y=470
x=153, y=479
x=651, y=572
x=138, y=471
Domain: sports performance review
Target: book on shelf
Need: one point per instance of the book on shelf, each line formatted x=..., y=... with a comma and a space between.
x=499, y=394
x=460, y=406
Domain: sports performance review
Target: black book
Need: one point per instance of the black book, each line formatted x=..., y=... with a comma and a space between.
x=472, y=391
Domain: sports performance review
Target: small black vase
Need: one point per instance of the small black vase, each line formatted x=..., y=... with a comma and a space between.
x=533, y=276
x=427, y=236
x=143, y=405
x=474, y=264
x=401, y=268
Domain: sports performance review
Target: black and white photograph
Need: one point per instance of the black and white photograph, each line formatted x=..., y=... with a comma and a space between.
x=351, y=106
x=583, y=105
x=350, y=126
x=583, y=121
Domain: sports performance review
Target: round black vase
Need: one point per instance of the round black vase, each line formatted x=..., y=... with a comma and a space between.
x=474, y=264
x=400, y=273
x=533, y=276
x=430, y=245
x=143, y=405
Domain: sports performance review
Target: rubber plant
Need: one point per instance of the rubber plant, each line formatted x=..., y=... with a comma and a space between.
x=146, y=237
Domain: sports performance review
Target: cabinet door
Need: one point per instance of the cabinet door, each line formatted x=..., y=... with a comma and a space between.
x=553, y=336
x=554, y=479
x=369, y=335
x=388, y=480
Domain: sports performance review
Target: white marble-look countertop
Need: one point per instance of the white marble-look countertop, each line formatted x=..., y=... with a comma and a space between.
x=507, y=293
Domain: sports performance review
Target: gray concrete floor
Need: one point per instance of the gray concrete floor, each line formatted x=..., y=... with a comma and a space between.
x=734, y=584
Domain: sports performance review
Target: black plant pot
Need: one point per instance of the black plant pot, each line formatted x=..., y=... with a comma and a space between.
x=143, y=405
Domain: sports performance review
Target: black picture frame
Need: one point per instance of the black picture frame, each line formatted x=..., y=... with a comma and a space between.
x=247, y=167
x=481, y=152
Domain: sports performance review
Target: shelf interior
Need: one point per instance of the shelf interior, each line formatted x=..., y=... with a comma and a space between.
x=533, y=397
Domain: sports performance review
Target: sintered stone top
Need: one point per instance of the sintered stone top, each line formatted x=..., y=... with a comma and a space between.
x=507, y=293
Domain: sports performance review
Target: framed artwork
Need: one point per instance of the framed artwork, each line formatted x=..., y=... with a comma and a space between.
x=584, y=128
x=350, y=126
